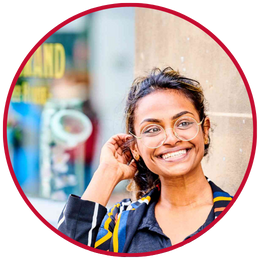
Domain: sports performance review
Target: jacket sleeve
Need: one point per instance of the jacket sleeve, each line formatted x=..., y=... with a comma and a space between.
x=81, y=219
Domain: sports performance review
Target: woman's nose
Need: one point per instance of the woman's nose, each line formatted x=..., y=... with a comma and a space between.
x=171, y=138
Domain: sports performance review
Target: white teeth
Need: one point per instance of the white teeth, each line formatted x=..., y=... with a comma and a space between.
x=175, y=154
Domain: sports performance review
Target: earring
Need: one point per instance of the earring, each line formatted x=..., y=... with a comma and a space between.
x=137, y=157
x=206, y=141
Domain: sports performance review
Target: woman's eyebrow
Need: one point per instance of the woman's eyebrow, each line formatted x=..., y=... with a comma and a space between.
x=154, y=120
x=181, y=114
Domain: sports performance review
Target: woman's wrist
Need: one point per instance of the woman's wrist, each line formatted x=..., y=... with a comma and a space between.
x=102, y=184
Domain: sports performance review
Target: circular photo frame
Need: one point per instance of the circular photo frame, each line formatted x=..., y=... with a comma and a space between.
x=77, y=65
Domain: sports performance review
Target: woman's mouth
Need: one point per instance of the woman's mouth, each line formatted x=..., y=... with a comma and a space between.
x=172, y=156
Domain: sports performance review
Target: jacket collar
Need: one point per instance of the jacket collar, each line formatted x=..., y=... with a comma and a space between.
x=140, y=214
x=220, y=201
x=220, y=198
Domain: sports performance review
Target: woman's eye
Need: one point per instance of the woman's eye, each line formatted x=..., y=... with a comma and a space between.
x=185, y=124
x=151, y=130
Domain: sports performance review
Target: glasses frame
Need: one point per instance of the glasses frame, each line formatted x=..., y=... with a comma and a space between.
x=140, y=137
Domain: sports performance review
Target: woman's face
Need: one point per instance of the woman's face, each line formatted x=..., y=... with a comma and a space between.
x=174, y=157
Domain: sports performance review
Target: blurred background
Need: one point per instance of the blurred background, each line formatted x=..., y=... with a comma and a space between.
x=69, y=100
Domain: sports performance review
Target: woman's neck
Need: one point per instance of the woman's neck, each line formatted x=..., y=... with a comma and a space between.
x=188, y=190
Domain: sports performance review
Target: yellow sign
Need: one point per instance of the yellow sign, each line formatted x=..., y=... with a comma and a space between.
x=27, y=94
x=48, y=61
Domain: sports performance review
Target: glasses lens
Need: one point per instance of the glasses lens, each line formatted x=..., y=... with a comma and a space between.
x=153, y=136
x=186, y=128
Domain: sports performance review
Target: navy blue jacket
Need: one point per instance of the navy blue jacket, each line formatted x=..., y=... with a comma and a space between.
x=128, y=227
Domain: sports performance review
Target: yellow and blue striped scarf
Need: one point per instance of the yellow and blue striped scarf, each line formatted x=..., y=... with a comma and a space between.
x=121, y=222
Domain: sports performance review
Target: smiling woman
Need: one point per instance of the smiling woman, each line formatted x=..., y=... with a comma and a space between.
x=167, y=138
x=154, y=98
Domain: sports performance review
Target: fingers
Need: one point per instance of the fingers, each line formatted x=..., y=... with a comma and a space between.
x=118, y=142
x=115, y=147
x=123, y=156
x=119, y=139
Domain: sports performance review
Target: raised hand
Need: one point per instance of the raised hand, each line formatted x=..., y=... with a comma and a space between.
x=115, y=165
x=113, y=157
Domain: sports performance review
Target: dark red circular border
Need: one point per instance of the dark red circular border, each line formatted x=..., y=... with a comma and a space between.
x=159, y=9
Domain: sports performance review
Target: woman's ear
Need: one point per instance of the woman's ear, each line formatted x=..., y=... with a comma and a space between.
x=206, y=127
x=135, y=151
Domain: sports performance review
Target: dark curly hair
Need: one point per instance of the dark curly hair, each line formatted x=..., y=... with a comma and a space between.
x=158, y=79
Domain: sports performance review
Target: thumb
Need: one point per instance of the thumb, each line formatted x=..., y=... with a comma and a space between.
x=133, y=165
x=130, y=169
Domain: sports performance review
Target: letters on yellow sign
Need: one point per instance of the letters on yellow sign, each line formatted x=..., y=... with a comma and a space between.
x=48, y=61
x=27, y=94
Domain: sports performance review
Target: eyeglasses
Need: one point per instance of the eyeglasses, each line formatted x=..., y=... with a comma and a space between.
x=154, y=136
